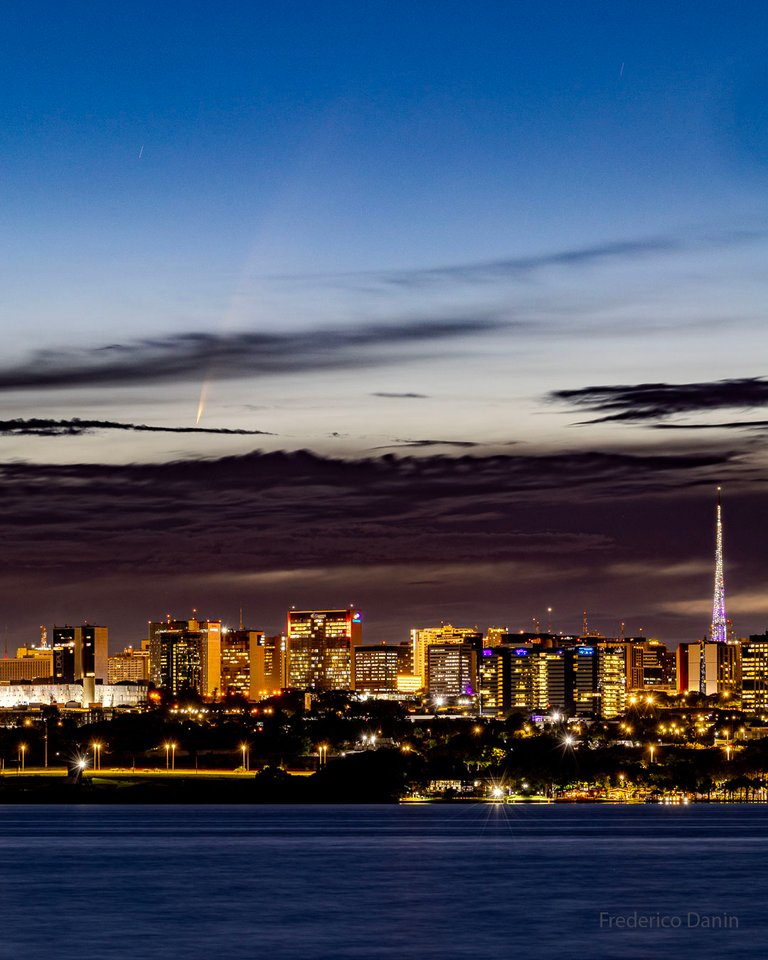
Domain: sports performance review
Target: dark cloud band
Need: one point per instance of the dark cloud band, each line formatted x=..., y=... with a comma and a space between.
x=657, y=401
x=296, y=510
x=41, y=427
x=196, y=356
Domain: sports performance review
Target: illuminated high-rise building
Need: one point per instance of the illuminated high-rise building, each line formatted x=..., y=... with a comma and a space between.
x=320, y=645
x=236, y=657
x=422, y=637
x=377, y=667
x=494, y=636
x=505, y=679
x=586, y=695
x=30, y=663
x=612, y=670
x=710, y=668
x=490, y=680
x=131, y=664
x=551, y=679
x=80, y=652
x=269, y=666
x=186, y=655
x=658, y=667
x=451, y=670
x=754, y=674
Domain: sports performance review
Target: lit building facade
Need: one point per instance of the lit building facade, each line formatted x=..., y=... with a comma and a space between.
x=658, y=667
x=423, y=637
x=82, y=652
x=269, y=666
x=586, y=694
x=550, y=679
x=711, y=667
x=377, y=667
x=451, y=670
x=30, y=663
x=186, y=655
x=754, y=674
x=107, y=695
x=490, y=681
x=612, y=669
x=131, y=664
x=236, y=657
x=320, y=648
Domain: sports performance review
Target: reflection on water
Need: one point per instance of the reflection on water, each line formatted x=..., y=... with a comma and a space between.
x=443, y=881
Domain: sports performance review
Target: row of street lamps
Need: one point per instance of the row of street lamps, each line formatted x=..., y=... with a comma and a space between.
x=170, y=755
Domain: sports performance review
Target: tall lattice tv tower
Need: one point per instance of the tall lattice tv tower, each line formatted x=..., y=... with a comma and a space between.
x=719, y=629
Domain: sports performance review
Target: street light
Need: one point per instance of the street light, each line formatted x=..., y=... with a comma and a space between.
x=652, y=750
x=167, y=755
x=22, y=755
x=96, y=754
x=173, y=756
x=246, y=757
x=322, y=753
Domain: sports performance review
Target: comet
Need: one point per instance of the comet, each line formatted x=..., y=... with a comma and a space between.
x=201, y=404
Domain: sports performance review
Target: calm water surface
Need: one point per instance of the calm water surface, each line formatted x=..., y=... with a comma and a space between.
x=422, y=882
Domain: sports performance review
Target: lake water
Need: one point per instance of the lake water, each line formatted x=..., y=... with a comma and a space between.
x=417, y=882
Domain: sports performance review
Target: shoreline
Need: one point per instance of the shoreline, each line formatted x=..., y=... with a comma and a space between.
x=128, y=787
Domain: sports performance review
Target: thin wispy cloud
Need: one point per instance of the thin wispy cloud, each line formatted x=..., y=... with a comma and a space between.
x=400, y=396
x=518, y=267
x=521, y=267
x=461, y=444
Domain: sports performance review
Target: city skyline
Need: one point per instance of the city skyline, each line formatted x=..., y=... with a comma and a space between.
x=420, y=309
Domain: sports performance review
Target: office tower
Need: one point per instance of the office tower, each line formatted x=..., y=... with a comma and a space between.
x=269, y=666
x=236, y=657
x=719, y=629
x=520, y=660
x=551, y=686
x=709, y=667
x=377, y=667
x=451, y=670
x=30, y=663
x=494, y=636
x=490, y=680
x=658, y=667
x=422, y=637
x=634, y=655
x=64, y=661
x=131, y=664
x=613, y=664
x=505, y=679
x=320, y=645
x=80, y=652
x=686, y=681
x=186, y=655
x=754, y=674
x=586, y=695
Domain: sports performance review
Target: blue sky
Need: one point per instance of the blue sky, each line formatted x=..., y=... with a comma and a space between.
x=480, y=205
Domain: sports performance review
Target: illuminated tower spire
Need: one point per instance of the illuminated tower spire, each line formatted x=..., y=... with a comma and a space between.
x=719, y=629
